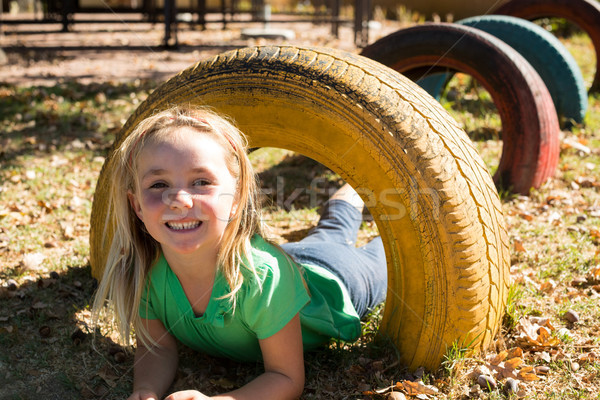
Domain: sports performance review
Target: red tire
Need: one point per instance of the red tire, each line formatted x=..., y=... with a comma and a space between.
x=530, y=128
x=584, y=13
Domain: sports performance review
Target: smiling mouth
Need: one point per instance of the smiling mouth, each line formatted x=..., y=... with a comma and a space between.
x=180, y=226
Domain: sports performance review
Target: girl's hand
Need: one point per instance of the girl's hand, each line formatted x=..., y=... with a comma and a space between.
x=187, y=395
x=143, y=395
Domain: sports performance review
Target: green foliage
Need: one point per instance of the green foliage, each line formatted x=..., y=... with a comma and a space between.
x=513, y=309
x=455, y=355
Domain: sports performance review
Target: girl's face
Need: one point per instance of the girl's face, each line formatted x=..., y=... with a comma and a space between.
x=186, y=194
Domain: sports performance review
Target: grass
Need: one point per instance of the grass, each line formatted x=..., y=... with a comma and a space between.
x=472, y=106
x=514, y=310
x=53, y=142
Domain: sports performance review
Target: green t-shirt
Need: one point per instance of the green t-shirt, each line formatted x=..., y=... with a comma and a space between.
x=260, y=312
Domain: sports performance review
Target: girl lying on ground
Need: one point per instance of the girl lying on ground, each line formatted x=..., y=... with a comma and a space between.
x=189, y=261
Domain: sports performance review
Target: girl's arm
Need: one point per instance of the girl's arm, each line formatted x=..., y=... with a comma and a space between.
x=154, y=369
x=284, y=370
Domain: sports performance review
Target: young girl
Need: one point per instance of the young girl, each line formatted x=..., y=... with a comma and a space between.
x=189, y=262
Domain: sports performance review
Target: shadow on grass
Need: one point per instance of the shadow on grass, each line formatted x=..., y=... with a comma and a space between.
x=66, y=116
x=298, y=182
x=50, y=352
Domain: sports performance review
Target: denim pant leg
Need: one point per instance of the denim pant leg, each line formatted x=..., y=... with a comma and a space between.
x=331, y=245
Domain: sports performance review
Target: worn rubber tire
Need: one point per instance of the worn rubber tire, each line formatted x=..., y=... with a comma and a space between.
x=434, y=203
x=530, y=129
x=546, y=54
x=584, y=13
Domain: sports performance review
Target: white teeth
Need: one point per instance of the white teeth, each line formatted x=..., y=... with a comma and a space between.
x=183, y=225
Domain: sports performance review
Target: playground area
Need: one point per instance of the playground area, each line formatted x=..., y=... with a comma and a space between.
x=64, y=98
x=120, y=52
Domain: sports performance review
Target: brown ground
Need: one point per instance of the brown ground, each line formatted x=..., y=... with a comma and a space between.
x=42, y=55
x=555, y=242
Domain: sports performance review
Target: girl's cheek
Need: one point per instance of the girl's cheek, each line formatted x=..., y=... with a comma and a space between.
x=153, y=200
x=225, y=205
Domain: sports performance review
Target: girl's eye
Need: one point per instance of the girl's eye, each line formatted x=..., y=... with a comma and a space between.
x=158, y=185
x=201, y=182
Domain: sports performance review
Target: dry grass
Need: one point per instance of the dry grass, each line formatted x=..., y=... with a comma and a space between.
x=52, y=145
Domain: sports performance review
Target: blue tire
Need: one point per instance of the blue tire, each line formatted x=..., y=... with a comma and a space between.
x=543, y=51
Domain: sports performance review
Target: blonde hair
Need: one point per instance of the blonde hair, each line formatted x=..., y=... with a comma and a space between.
x=133, y=251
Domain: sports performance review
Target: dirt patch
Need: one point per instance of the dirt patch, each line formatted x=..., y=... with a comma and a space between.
x=42, y=55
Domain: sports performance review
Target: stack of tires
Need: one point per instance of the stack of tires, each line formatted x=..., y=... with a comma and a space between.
x=533, y=80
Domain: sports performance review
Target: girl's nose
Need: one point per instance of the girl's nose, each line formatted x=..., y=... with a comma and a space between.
x=180, y=198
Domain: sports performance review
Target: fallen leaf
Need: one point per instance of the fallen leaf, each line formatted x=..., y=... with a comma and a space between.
x=58, y=161
x=515, y=352
x=416, y=388
x=356, y=369
x=548, y=286
x=7, y=329
x=526, y=369
x=586, y=182
x=587, y=357
x=67, y=230
x=32, y=260
x=518, y=246
x=33, y=372
x=575, y=144
x=39, y=305
x=513, y=363
x=543, y=356
x=526, y=216
x=554, y=218
x=589, y=378
x=45, y=205
x=528, y=376
x=108, y=375
x=223, y=383
x=499, y=357
x=44, y=283
x=535, y=335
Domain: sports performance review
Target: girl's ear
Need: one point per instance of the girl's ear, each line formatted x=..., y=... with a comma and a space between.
x=135, y=204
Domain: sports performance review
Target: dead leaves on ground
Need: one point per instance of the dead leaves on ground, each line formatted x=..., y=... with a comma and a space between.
x=44, y=215
x=510, y=364
x=410, y=388
x=536, y=334
x=508, y=367
x=538, y=351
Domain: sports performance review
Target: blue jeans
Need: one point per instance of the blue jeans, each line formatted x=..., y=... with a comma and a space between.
x=332, y=245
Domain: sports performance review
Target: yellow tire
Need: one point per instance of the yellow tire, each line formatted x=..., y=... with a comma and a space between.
x=431, y=195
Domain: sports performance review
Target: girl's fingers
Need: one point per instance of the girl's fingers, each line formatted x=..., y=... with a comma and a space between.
x=187, y=395
x=143, y=395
